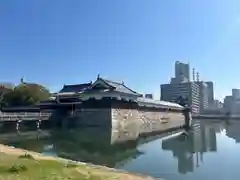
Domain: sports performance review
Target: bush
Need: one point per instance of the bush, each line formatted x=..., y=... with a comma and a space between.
x=17, y=168
x=26, y=156
x=71, y=165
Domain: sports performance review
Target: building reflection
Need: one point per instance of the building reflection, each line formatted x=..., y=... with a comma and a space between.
x=93, y=145
x=232, y=130
x=189, y=148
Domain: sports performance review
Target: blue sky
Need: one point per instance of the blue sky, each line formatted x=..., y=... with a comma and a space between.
x=59, y=41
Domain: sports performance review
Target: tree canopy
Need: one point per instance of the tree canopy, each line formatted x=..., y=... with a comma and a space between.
x=182, y=101
x=23, y=95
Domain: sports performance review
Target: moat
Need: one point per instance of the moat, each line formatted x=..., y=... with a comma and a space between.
x=209, y=151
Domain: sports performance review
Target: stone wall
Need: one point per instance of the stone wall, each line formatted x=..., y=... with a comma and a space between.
x=128, y=124
x=132, y=123
x=94, y=117
x=160, y=121
x=125, y=124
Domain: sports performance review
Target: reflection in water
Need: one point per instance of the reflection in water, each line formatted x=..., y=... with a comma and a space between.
x=92, y=145
x=89, y=145
x=191, y=148
x=233, y=130
x=188, y=156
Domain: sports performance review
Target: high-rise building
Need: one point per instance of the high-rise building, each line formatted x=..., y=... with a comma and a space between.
x=182, y=88
x=227, y=104
x=188, y=91
x=210, y=92
x=182, y=71
x=203, y=89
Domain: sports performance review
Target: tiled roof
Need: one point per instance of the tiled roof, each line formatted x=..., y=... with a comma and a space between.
x=120, y=87
x=146, y=101
x=75, y=87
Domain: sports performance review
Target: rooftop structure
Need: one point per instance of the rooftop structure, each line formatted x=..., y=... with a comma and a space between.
x=105, y=89
x=163, y=104
x=75, y=88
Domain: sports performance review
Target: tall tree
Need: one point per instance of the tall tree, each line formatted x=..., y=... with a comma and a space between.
x=3, y=92
x=26, y=94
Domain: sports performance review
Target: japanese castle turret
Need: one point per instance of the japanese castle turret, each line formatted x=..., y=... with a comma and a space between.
x=108, y=104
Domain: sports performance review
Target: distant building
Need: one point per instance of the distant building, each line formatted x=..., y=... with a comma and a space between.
x=236, y=94
x=232, y=103
x=180, y=87
x=149, y=96
x=182, y=71
x=188, y=91
x=217, y=107
x=203, y=89
x=217, y=104
x=228, y=102
x=210, y=92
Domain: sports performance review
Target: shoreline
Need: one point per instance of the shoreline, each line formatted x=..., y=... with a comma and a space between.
x=123, y=175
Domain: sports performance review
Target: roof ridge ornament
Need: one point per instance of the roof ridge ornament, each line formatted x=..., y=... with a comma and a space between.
x=22, y=80
x=98, y=77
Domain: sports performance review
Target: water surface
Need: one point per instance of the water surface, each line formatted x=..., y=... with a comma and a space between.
x=210, y=151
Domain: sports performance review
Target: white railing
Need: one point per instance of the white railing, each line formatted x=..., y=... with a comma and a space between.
x=24, y=116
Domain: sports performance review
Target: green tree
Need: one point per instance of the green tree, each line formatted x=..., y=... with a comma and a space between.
x=182, y=101
x=25, y=94
x=3, y=92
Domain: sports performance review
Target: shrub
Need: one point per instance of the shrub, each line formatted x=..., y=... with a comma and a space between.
x=17, y=168
x=26, y=156
x=71, y=165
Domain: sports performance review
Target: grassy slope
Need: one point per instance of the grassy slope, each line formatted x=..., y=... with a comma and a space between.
x=49, y=168
x=15, y=168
